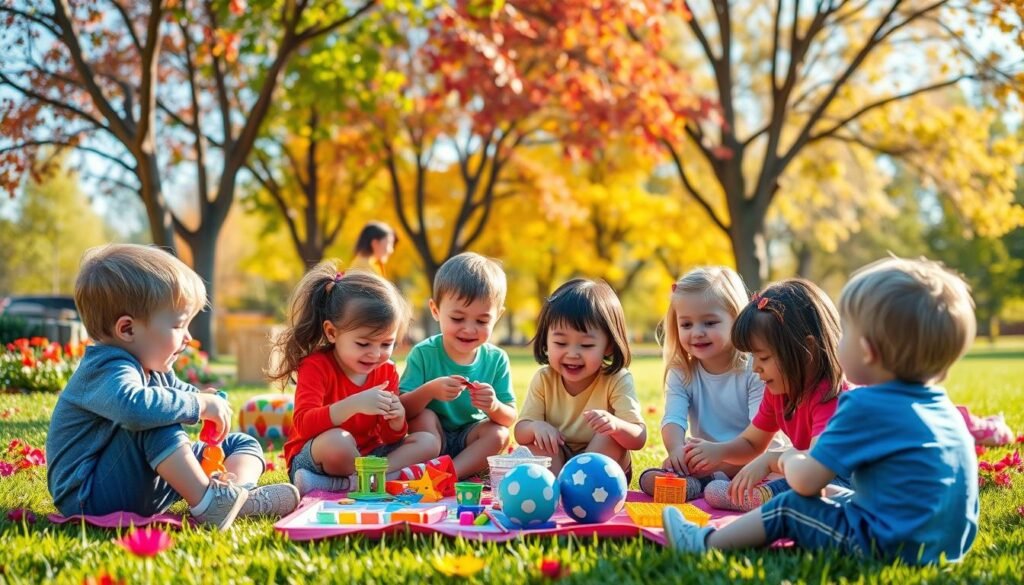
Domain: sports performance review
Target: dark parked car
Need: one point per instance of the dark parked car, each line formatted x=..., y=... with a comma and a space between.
x=51, y=316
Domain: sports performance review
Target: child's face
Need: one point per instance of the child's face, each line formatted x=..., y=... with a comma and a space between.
x=465, y=327
x=360, y=351
x=158, y=342
x=704, y=328
x=576, y=355
x=766, y=366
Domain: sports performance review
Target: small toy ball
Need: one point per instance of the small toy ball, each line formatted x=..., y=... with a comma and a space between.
x=268, y=417
x=528, y=495
x=593, y=488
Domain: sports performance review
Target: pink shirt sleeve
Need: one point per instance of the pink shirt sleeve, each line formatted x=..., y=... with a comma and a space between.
x=767, y=417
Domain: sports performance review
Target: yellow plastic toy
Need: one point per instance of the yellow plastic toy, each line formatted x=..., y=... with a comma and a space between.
x=649, y=514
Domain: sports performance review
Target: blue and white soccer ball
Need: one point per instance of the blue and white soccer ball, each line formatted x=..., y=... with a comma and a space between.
x=593, y=488
x=529, y=495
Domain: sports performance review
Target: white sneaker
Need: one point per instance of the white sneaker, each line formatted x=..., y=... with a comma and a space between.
x=227, y=501
x=683, y=535
x=271, y=500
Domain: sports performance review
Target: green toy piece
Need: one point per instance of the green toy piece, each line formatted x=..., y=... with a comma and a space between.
x=371, y=476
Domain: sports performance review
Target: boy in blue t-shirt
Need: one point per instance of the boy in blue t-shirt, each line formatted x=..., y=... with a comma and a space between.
x=913, y=467
x=456, y=385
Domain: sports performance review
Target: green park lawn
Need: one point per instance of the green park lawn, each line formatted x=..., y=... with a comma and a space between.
x=989, y=380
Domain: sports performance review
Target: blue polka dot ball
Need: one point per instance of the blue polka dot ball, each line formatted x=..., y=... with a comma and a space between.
x=593, y=488
x=528, y=495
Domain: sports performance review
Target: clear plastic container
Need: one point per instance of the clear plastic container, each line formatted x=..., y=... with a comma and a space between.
x=502, y=464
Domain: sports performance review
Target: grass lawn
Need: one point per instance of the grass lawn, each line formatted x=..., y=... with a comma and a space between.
x=989, y=380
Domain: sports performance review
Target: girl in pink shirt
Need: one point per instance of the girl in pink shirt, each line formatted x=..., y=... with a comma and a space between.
x=792, y=331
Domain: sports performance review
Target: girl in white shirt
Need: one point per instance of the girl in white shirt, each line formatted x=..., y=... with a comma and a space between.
x=710, y=389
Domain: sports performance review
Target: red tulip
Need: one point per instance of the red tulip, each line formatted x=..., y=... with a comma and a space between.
x=553, y=569
x=102, y=579
x=145, y=542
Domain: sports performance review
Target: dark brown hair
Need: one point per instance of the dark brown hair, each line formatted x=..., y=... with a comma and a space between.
x=782, y=317
x=585, y=304
x=348, y=300
x=373, y=231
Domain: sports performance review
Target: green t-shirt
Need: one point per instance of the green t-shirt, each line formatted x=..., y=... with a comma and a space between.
x=428, y=361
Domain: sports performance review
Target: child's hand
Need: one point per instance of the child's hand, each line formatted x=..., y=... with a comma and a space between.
x=702, y=457
x=397, y=412
x=215, y=408
x=447, y=388
x=547, y=437
x=748, y=477
x=676, y=460
x=601, y=421
x=374, y=401
x=482, y=396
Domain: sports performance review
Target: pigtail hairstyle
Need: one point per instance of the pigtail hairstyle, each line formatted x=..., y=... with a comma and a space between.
x=349, y=301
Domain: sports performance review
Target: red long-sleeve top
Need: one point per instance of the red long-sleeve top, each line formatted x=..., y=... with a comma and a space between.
x=321, y=383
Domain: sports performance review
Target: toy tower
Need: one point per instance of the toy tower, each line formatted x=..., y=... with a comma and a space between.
x=371, y=476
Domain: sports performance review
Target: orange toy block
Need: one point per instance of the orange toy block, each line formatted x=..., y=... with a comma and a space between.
x=670, y=490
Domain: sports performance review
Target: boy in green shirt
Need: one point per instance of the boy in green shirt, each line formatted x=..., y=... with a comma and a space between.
x=456, y=385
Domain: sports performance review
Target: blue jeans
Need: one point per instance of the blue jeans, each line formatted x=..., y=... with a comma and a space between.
x=125, y=477
x=814, y=523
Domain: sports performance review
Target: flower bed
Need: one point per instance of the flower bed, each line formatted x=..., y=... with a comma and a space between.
x=38, y=365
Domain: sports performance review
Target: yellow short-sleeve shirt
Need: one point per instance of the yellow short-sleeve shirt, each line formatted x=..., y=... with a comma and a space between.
x=549, y=401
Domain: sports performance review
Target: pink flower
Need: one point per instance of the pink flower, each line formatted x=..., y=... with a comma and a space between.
x=6, y=469
x=985, y=466
x=145, y=542
x=270, y=466
x=21, y=514
x=979, y=450
x=1020, y=510
x=1020, y=438
x=1003, y=479
x=553, y=569
x=32, y=458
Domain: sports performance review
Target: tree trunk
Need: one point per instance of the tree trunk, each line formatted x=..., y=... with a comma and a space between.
x=746, y=233
x=203, y=246
x=161, y=227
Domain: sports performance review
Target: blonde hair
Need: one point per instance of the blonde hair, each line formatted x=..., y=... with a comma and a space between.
x=130, y=279
x=716, y=284
x=917, y=315
x=469, y=277
x=350, y=300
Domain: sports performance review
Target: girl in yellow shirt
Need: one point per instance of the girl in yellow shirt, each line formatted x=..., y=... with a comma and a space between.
x=582, y=399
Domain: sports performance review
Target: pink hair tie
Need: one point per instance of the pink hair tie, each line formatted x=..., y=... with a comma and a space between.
x=337, y=277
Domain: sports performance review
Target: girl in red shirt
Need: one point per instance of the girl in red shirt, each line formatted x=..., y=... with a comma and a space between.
x=343, y=328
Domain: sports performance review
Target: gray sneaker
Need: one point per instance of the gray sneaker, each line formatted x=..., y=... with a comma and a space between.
x=308, y=481
x=271, y=500
x=683, y=535
x=228, y=500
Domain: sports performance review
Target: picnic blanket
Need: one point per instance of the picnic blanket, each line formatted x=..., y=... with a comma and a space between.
x=301, y=524
x=117, y=520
